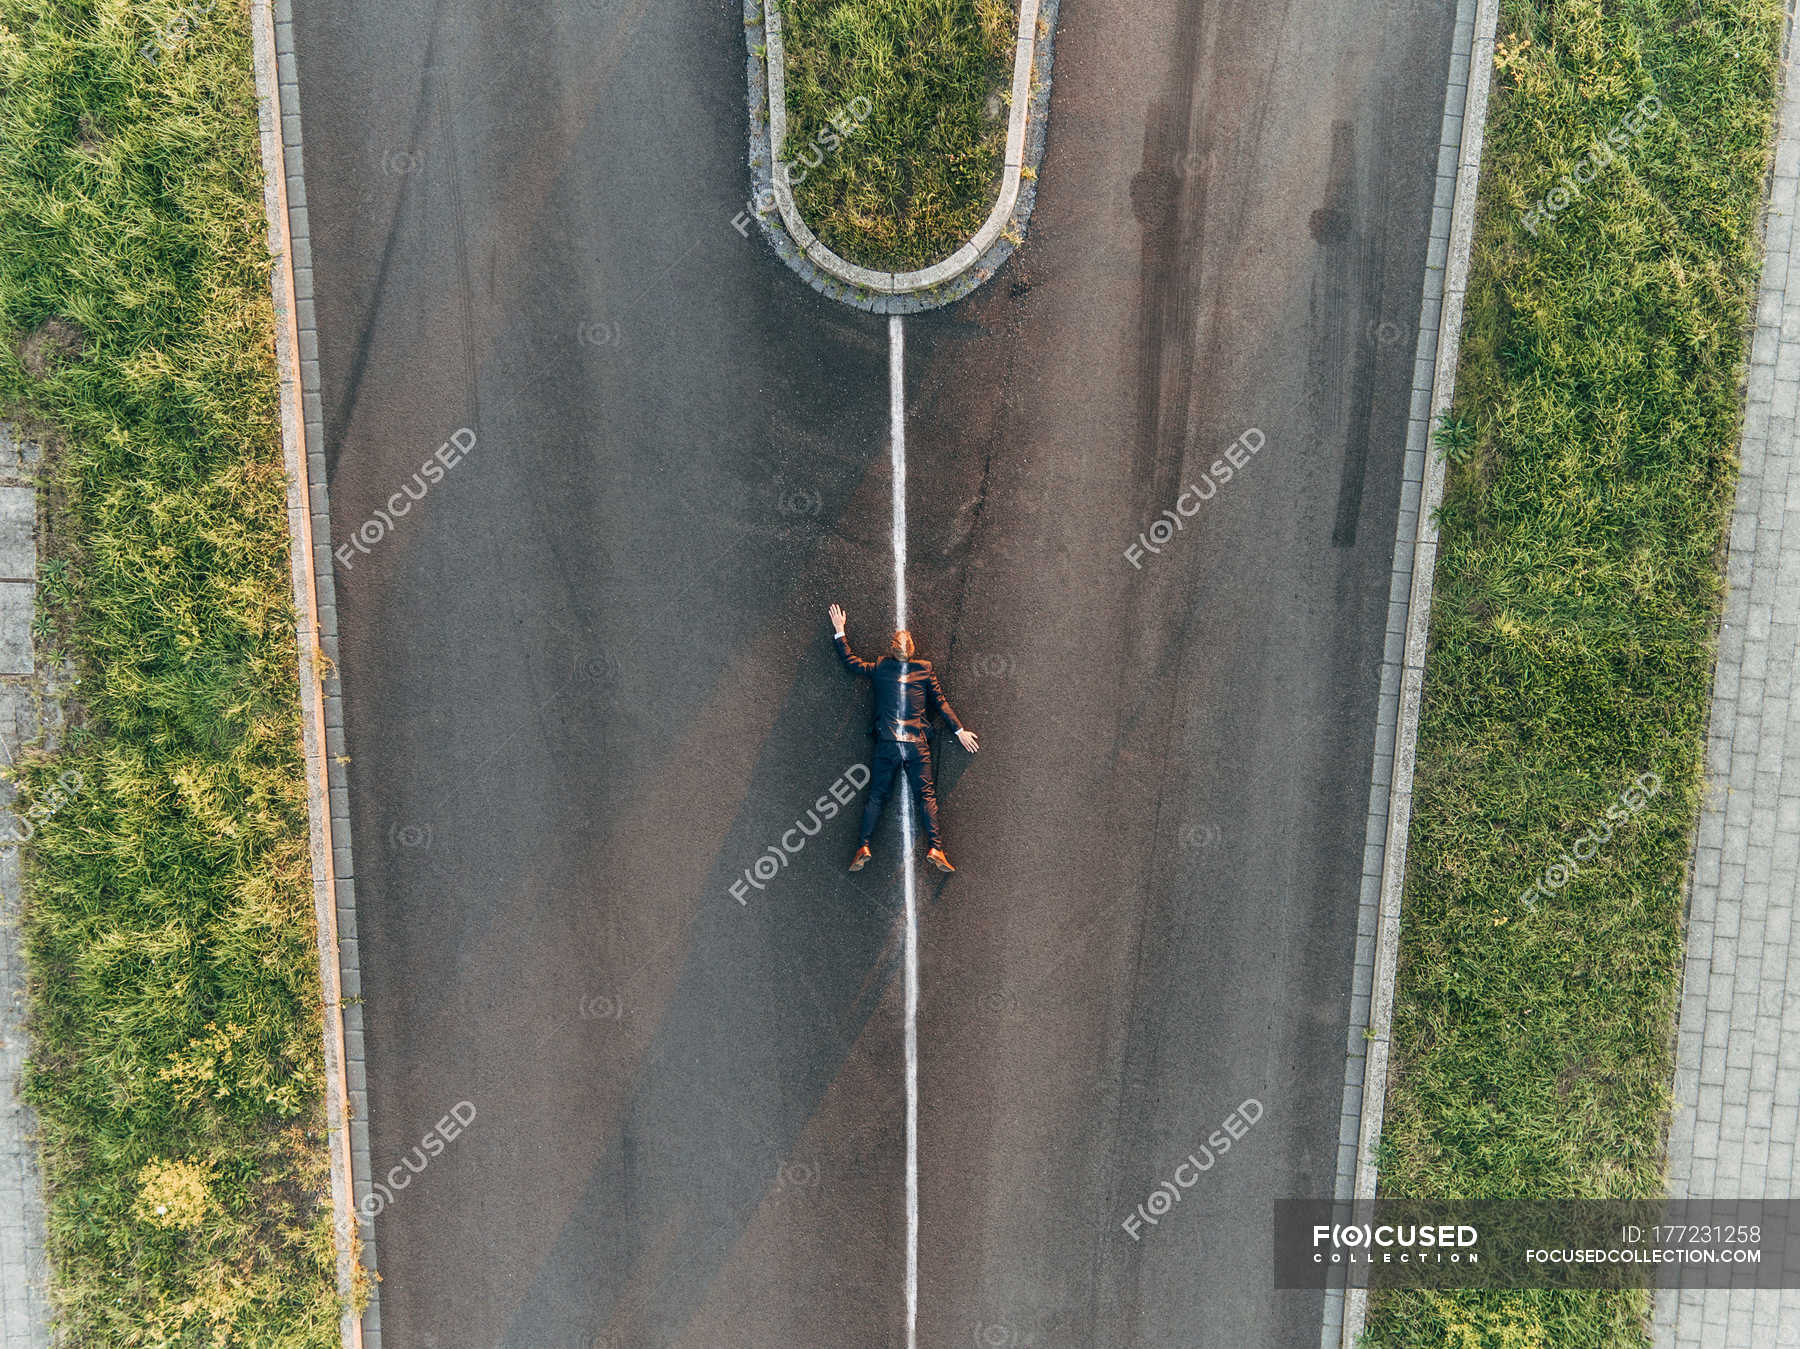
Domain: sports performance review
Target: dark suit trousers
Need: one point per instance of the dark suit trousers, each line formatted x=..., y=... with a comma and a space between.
x=892, y=757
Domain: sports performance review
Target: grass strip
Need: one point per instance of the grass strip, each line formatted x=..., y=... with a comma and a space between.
x=1593, y=461
x=897, y=122
x=175, y=1005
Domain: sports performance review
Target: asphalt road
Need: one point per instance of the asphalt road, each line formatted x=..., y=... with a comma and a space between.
x=588, y=678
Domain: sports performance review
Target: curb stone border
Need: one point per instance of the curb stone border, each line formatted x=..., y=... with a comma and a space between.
x=772, y=204
x=321, y=695
x=1408, y=624
x=31, y=715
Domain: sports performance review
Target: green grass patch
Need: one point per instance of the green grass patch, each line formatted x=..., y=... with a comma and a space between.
x=175, y=1004
x=909, y=182
x=1578, y=587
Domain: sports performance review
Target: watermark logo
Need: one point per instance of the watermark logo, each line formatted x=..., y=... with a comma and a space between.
x=1188, y=504
x=795, y=1180
x=766, y=867
x=602, y=1007
x=1383, y=1243
x=378, y=526
x=1170, y=1192
x=791, y=498
x=999, y=1001
x=1002, y=1335
x=401, y=1174
x=1601, y=154
x=1019, y=1328
x=410, y=836
x=842, y=125
x=1198, y=834
x=399, y=163
x=1567, y=867
x=598, y=668
x=606, y=1337
x=178, y=28
x=1383, y=332
x=15, y=829
x=600, y=333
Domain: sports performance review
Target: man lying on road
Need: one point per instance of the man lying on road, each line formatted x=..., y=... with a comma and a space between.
x=907, y=696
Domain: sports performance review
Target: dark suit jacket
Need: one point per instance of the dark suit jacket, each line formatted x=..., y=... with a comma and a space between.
x=907, y=695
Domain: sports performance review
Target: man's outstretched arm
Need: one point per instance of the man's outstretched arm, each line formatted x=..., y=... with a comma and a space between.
x=964, y=736
x=853, y=662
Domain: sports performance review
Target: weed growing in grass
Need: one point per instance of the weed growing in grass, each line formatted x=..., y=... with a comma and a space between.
x=1455, y=439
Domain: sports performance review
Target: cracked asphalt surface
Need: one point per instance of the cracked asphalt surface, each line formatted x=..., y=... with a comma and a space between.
x=588, y=677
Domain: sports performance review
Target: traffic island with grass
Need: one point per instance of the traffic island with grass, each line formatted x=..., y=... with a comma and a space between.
x=176, y=1012
x=1592, y=450
x=897, y=113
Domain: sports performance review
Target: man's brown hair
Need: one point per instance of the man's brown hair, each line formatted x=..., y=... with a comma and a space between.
x=902, y=645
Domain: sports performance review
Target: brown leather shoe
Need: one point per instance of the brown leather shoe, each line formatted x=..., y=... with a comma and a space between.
x=858, y=862
x=937, y=859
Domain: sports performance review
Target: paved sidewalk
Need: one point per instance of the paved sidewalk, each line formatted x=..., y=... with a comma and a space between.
x=24, y=1306
x=1737, y=1076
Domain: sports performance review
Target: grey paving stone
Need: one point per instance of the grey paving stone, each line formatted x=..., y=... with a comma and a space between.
x=1787, y=361
x=18, y=524
x=1756, y=1147
x=1743, y=1010
x=1762, y=1072
x=19, y=457
x=1736, y=846
x=1710, y=1106
x=17, y=602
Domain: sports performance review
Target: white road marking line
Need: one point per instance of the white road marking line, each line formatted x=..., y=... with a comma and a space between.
x=897, y=443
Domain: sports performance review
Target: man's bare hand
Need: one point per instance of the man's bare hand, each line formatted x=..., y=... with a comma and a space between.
x=837, y=618
x=966, y=738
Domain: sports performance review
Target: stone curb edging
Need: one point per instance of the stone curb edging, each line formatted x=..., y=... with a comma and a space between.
x=321, y=703
x=772, y=202
x=32, y=694
x=1409, y=621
